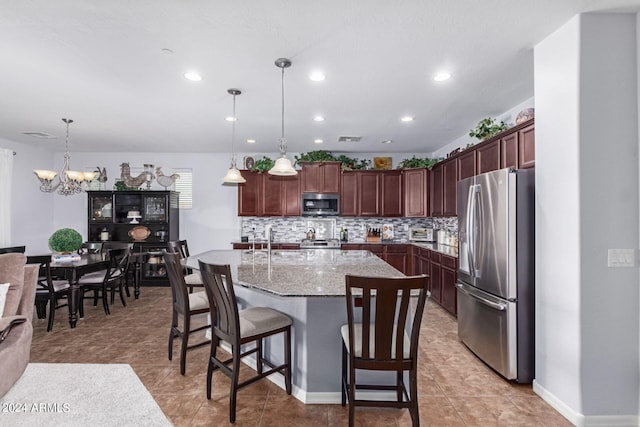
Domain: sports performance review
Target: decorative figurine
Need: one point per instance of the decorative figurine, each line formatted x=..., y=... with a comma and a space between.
x=164, y=180
x=102, y=177
x=125, y=175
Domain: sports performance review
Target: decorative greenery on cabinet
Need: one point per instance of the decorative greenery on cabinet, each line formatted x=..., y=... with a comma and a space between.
x=263, y=165
x=417, y=162
x=486, y=128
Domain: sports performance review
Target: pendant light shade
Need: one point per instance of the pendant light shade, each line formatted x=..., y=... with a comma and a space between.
x=233, y=175
x=283, y=166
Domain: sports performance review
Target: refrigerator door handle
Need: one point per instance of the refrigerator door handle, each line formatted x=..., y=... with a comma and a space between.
x=478, y=218
x=500, y=307
x=470, y=223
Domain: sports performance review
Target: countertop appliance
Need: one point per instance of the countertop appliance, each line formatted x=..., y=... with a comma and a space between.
x=496, y=270
x=320, y=244
x=417, y=234
x=319, y=204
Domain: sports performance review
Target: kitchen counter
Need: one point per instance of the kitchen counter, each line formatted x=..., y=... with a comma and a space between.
x=443, y=249
x=451, y=251
x=297, y=273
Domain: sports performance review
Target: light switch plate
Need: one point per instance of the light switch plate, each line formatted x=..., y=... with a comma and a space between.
x=621, y=258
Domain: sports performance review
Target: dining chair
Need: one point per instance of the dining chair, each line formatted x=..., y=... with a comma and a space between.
x=106, y=246
x=186, y=305
x=191, y=278
x=102, y=281
x=49, y=291
x=13, y=249
x=240, y=327
x=382, y=336
x=91, y=248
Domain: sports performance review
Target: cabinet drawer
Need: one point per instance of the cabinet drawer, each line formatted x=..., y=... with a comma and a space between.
x=376, y=249
x=396, y=249
x=350, y=247
x=450, y=262
x=435, y=257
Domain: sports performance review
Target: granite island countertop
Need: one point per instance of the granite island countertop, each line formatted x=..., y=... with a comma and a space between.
x=443, y=249
x=297, y=273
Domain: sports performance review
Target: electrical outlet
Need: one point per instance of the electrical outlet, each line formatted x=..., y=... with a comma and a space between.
x=294, y=227
x=621, y=258
x=406, y=227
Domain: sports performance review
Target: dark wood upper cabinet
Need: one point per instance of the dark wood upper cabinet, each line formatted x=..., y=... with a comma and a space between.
x=349, y=194
x=526, y=147
x=436, y=191
x=321, y=177
x=416, y=194
x=369, y=193
x=467, y=164
x=450, y=188
x=268, y=195
x=509, y=148
x=488, y=157
x=391, y=196
x=273, y=195
x=249, y=194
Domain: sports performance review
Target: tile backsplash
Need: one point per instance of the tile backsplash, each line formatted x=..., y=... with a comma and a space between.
x=292, y=229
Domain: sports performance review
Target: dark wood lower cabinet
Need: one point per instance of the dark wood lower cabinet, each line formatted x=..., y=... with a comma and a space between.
x=448, y=299
x=435, y=279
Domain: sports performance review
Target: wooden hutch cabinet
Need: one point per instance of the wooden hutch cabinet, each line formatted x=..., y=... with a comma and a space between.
x=113, y=216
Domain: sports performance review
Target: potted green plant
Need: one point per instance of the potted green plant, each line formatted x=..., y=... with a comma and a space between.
x=417, y=162
x=315, y=156
x=263, y=164
x=351, y=163
x=486, y=128
x=65, y=240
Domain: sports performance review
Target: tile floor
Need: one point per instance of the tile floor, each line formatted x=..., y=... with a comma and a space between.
x=455, y=389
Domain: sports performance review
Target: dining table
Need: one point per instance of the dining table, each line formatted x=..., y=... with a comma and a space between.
x=72, y=270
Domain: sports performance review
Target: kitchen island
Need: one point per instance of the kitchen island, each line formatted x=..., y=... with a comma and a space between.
x=308, y=286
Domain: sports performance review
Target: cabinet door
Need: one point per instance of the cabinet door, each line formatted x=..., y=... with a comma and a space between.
x=369, y=193
x=467, y=164
x=449, y=188
x=330, y=177
x=397, y=256
x=273, y=194
x=349, y=194
x=488, y=156
x=391, y=193
x=436, y=191
x=310, y=177
x=509, y=147
x=526, y=147
x=448, y=290
x=435, y=281
x=415, y=193
x=249, y=194
x=291, y=188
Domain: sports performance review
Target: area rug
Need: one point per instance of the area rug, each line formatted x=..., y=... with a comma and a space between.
x=73, y=394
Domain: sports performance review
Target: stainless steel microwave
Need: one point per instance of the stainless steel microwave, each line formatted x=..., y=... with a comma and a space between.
x=317, y=204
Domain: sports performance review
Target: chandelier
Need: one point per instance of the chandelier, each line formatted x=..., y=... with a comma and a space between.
x=69, y=182
x=283, y=166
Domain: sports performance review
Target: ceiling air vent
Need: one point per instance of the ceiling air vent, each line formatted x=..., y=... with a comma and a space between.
x=349, y=138
x=39, y=135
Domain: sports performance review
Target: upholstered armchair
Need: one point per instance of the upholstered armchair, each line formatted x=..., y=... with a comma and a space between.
x=16, y=329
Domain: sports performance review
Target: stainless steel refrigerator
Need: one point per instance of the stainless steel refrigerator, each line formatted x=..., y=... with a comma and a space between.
x=496, y=270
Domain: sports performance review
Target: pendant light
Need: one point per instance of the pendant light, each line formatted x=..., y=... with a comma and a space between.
x=283, y=166
x=233, y=175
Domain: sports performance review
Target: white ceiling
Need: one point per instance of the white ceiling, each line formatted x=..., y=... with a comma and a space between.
x=102, y=64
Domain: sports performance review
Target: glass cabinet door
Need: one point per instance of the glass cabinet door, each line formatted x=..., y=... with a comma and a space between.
x=101, y=208
x=155, y=208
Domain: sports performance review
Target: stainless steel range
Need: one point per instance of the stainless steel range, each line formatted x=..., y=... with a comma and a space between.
x=320, y=244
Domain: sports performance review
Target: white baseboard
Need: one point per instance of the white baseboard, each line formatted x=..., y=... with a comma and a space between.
x=581, y=420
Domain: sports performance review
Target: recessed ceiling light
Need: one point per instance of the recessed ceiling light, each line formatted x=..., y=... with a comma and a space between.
x=231, y=119
x=406, y=119
x=318, y=119
x=386, y=141
x=251, y=141
x=440, y=77
x=317, y=76
x=193, y=76
x=318, y=141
